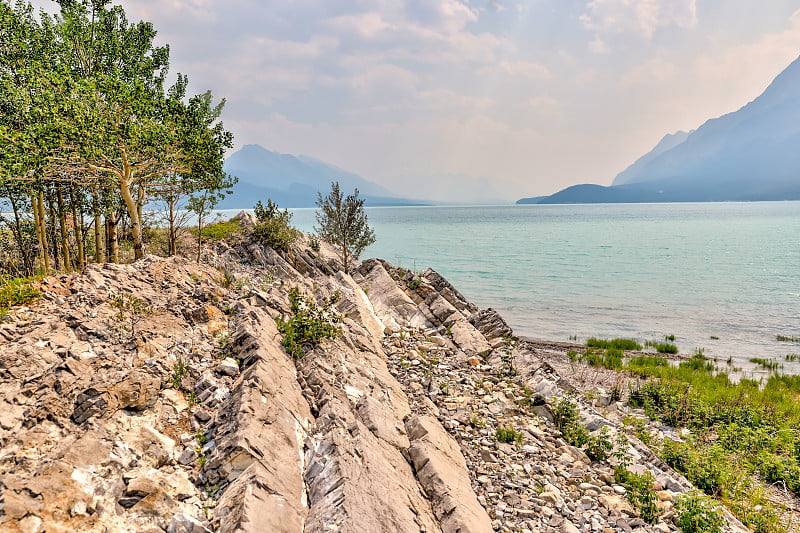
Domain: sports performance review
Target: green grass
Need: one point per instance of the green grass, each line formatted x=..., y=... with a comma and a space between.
x=784, y=338
x=619, y=344
x=766, y=364
x=743, y=434
x=16, y=291
x=219, y=230
x=662, y=347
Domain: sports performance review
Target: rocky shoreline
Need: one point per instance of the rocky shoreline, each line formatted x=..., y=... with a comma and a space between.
x=157, y=396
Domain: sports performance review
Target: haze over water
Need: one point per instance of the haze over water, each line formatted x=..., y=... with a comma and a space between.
x=730, y=270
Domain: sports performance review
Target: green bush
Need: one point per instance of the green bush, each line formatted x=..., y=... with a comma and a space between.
x=508, y=435
x=308, y=325
x=16, y=291
x=219, y=230
x=566, y=418
x=598, y=447
x=639, y=491
x=697, y=514
x=274, y=227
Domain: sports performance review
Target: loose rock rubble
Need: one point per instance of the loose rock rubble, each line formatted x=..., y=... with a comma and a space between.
x=148, y=397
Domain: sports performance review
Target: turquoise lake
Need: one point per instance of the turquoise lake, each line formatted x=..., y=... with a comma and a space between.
x=728, y=270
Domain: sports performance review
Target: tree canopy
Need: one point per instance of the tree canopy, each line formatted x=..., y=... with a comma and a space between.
x=90, y=127
x=342, y=221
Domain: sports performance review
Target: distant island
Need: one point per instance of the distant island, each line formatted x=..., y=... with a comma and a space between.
x=752, y=154
x=294, y=181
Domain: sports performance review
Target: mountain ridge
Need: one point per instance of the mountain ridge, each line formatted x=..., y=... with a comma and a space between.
x=295, y=181
x=747, y=155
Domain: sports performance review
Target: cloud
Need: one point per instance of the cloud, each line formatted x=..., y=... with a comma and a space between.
x=640, y=18
x=526, y=69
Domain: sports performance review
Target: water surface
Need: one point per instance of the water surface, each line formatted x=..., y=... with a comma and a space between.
x=728, y=270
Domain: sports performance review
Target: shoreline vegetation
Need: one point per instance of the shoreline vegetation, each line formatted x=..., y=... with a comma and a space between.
x=738, y=442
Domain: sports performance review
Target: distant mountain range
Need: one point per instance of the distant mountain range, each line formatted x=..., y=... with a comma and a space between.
x=294, y=181
x=748, y=155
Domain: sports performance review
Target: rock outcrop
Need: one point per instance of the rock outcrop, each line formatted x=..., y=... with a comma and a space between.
x=148, y=397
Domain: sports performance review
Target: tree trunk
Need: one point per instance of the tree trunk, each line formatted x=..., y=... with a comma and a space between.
x=133, y=213
x=24, y=254
x=171, y=237
x=99, y=254
x=62, y=222
x=112, y=242
x=37, y=202
x=199, y=232
x=52, y=236
x=77, y=221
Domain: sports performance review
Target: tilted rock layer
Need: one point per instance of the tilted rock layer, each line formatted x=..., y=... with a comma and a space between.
x=148, y=397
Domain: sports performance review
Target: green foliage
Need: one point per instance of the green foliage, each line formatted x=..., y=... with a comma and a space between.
x=662, y=347
x=342, y=221
x=219, y=231
x=639, y=491
x=742, y=433
x=477, y=422
x=787, y=338
x=274, y=227
x=766, y=364
x=697, y=514
x=179, y=371
x=16, y=291
x=90, y=124
x=620, y=344
x=308, y=325
x=598, y=447
x=611, y=358
x=508, y=435
x=566, y=418
x=313, y=243
x=130, y=310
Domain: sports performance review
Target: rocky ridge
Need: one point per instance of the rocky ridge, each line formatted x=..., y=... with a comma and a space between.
x=158, y=396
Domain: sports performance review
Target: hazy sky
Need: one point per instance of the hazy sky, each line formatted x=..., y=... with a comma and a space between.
x=476, y=99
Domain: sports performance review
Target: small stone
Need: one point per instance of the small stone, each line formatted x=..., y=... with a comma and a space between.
x=188, y=456
x=79, y=509
x=30, y=524
x=202, y=415
x=227, y=367
x=568, y=527
x=473, y=361
x=183, y=523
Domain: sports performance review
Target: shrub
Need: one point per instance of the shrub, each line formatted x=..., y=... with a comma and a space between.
x=308, y=325
x=697, y=514
x=313, y=243
x=274, y=227
x=599, y=447
x=219, y=230
x=508, y=435
x=565, y=413
x=130, y=310
x=567, y=420
x=16, y=291
x=640, y=492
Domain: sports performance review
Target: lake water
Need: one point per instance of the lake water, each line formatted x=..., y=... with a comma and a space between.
x=728, y=270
